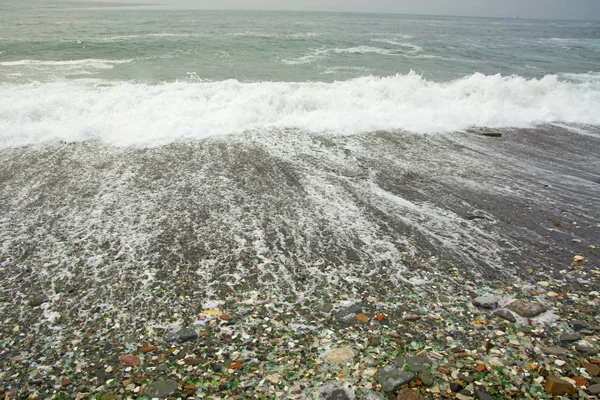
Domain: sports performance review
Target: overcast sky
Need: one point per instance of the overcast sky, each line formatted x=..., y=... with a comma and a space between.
x=545, y=9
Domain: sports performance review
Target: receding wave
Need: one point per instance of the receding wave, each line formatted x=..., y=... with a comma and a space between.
x=88, y=61
x=128, y=114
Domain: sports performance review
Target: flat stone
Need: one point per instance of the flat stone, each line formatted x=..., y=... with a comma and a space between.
x=482, y=394
x=578, y=325
x=392, y=377
x=349, y=312
x=339, y=356
x=414, y=364
x=37, y=301
x=592, y=369
x=426, y=378
x=335, y=394
x=374, y=341
x=526, y=309
x=505, y=314
x=558, y=386
x=181, y=336
x=583, y=349
x=161, y=389
x=594, y=389
x=569, y=337
x=485, y=301
x=130, y=361
x=556, y=351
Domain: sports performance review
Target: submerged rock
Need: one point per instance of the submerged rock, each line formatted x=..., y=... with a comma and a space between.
x=526, y=309
x=505, y=314
x=486, y=301
x=181, y=336
x=349, y=312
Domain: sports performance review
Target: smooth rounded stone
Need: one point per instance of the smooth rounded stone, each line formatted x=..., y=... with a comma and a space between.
x=339, y=356
x=594, y=389
x=569, y=337
x=526, y=309
x=335, y=394
x=558, y=386
x=482, y=394
x=456, y=387
x=349, y=312
x=37, y=301
x=592, y=369
x=161, y=389
x=588, y=350
x=181, y=336
x=162, y=367
x=374, y=341
x=556, y=351
x=505, y=314
x=391, y=377
x=426, y=378
x=578, y=325
x=414, y=364
x=444, y=299
x=486, y=301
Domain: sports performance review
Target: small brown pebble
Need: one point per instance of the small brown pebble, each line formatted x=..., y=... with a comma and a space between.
x=130, y=361
x=255, y=271
x=579, y=381
x=235, y=365
x=148, y=349
x=224, y=317
x=189, y=387
x=275, y=341
x=362, y=318
x=192, y=361
x=480, y=367
x=412, y=318
x=65, y=382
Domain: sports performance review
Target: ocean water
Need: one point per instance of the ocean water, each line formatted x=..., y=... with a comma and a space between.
x=76, y=71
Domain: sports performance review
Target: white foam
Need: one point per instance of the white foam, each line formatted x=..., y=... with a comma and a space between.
x=88, y=62
x=127, y=114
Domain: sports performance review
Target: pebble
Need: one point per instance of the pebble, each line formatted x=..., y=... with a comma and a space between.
x=148, y=349
x=486, y=301
x=161, y=389
x=339, y=356
x=583, y=349
x=130, y=361
x=558, y=386
x=505, y=314
x=526, y=309
x=349, y=312
x=594, y=389
x=181, y=336
x=569, y=337
x=592, y=369
x=392, y=377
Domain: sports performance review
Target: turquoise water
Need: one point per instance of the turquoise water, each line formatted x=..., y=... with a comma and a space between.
x=146, y=77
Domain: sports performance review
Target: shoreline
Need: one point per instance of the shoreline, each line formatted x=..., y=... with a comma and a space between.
x=105, y=249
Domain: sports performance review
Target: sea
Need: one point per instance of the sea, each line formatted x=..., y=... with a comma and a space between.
x=331, y=151
x=144, y=76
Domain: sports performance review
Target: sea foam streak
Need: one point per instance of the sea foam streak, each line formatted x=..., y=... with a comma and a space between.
x=127, y=114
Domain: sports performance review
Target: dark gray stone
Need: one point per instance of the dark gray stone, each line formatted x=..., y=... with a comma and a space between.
x=349, y=312
x=569, y=337
x=486, y=301
x=505, y=314
x=526, y=309
x=415, y=364
x=481, y=394
x=181, y=336
x=392, y=377
x=594, y=389
x=578, y=325
x=37, y=301
x=374, y=341
x=335, y=394
x=161, y=389
x=588, y=350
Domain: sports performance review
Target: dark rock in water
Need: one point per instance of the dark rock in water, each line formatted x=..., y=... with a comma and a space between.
x=38, y=300
x=349, y=312
x=181, y=336
x=491, y=134
x=475, y=217
x=161, y=389
x=391, y=377
x=486, y=301
x=482, y=394
x=216, y=367
x=569, y=337
x=335, y=394
x=590, y=351
x=505, y=314
x=526, y=309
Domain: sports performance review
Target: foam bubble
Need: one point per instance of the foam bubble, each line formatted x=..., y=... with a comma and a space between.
x=128, y=114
